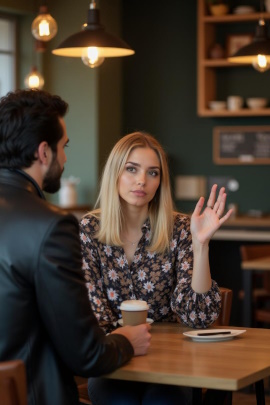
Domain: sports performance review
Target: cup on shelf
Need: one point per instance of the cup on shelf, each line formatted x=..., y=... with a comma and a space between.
x=235, y=103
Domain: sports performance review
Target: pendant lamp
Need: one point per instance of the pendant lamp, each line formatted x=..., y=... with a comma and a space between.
x=93, y=44
x=257, y=53
x=34, y=80
x=44, y=26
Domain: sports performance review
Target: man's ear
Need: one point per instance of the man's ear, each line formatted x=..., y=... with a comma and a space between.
x=44, y=153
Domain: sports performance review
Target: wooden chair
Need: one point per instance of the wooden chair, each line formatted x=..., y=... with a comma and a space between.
x=260, y=283
x=82, y=390
x=226, y=307
x=13, y=388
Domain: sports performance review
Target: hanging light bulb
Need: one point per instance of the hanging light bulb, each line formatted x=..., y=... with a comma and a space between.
x=91, y=57
x=257, y=53
x=44, y=26
x=261, y=63
x=93, y=44
x=34, y=80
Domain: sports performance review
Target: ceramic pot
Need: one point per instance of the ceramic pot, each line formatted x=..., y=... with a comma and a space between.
x=219, y=9
x=216, y=52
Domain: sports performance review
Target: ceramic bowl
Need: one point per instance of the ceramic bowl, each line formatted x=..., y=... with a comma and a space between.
x=256, y=102
x=217, y=105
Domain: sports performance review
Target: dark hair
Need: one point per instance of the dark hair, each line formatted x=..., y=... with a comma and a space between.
x=27, y=118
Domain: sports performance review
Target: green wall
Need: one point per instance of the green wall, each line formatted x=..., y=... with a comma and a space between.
x=161, y=90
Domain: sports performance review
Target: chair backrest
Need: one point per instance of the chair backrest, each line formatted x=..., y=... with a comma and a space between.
x=13, y=388
x=252, y=252
x=226, y=306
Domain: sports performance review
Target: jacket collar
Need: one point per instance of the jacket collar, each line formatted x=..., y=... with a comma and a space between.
x=18, y=178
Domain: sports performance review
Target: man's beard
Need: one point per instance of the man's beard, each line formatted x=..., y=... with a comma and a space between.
x=52, y=179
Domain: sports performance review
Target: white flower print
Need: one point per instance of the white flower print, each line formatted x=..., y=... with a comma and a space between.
x=173, y=244
x=217, y=297
x=183, y=234
x=121, y=261
x=164, y=310
x=149, y=286
x=179, y=297
x=83, y=238
x=137, y=258
x=91, y=288
x=85, y=265
x=214, y=316
x=192, y=316
x=151, y=255
x=166, y=267
x=185, y=266
x=112, y=295
x=202, y=316
x=108, y=250
x=97, y=301
x=148, y=235
x=208, y=300
x=184, y=318
x=141, y=275
x=91, y=254
x=181, y=254
x=85, y=221
x=113, y=275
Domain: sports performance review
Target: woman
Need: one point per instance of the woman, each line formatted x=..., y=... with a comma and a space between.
x=135, y=246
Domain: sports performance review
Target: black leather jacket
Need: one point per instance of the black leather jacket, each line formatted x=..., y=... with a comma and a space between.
x=45, y=315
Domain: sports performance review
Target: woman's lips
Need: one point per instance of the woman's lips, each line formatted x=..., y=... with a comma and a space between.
x=139, y=193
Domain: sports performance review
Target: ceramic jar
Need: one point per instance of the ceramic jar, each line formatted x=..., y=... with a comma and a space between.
x=68, y=192
x=218, y=9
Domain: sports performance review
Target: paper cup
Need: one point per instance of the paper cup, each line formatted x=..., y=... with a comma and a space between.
x=134, y=312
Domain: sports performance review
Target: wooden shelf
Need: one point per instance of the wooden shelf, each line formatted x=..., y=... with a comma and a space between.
x=215, y=63
x=243, y=112
x=207, y=68
x=235, y=18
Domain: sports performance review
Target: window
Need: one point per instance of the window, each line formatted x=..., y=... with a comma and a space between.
x=7, y=54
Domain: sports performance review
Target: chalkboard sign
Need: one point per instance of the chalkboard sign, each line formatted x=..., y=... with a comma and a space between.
x=241, y=145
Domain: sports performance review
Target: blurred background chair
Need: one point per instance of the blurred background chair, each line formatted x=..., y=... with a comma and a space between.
x=260, y=284
x=226, y=307
x=13, y=388
x=83, y=390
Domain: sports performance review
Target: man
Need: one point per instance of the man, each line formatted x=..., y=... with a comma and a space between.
x=45, y=317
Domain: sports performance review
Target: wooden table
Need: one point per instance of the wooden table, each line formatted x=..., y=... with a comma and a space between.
x=262, y=264
x=177, y=360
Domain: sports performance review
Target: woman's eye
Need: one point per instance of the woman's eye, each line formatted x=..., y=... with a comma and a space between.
x=131, y=169
x=154, y=173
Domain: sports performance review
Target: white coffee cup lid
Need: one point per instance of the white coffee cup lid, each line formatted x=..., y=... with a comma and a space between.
x=134, y=305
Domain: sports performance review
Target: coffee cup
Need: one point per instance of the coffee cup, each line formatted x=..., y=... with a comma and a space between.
x=134, y=312
x=235, y=103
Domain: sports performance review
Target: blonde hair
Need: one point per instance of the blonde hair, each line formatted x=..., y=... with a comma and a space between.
x=161, y=211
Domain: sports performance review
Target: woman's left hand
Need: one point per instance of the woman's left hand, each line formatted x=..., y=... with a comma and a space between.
x=205, y=224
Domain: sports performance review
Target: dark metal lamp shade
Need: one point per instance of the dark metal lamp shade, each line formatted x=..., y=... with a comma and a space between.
x=259, y=46
x=93, y=35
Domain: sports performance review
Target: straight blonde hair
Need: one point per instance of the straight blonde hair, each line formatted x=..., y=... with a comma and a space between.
x=161, y=210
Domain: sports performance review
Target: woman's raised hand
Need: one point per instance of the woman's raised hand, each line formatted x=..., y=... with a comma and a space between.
x=205, y=223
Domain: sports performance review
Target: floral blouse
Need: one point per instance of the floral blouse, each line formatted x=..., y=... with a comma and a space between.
x=164, y=281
